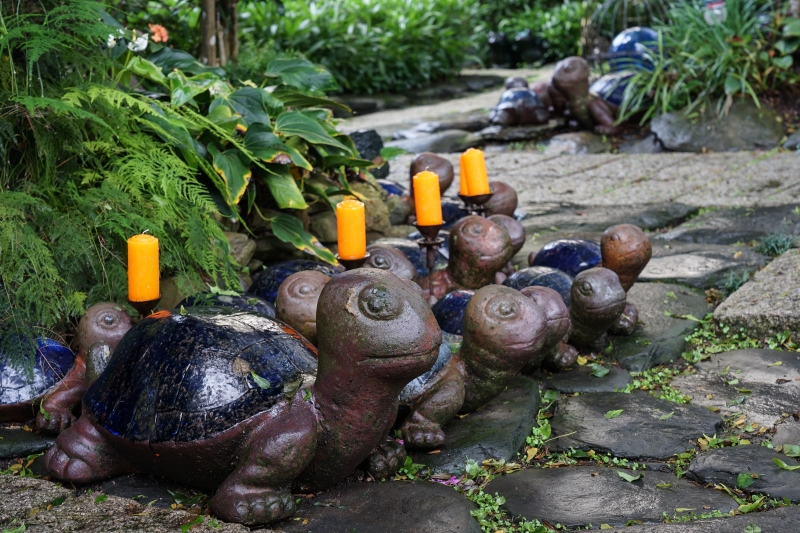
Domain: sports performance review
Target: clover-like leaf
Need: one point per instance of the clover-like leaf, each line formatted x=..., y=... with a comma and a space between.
x=613, y=414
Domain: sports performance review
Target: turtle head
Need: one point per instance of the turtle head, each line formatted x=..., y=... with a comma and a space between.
x=389, y=258
x=515, y=230
x=370, y=323
x=555, y=311
x=597, y=296
x=626, y=250
x=478, y=249
x=297, y=299
x=503, y=328
x=504, y=199
x=571, y=77
x=433, y=163
x=104, y=322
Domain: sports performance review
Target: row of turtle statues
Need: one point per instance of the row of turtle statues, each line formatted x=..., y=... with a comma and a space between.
x=292, y=387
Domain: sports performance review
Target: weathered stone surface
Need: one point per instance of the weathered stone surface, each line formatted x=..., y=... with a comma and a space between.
x=644, y=430
x=20, y=443
x=369, y=144
x=242, y=247
x=745, y=127
x=788, y=432
x=768, y=304
x=147, y=490
x=520, y=133
x=577, y=143
x=701, y=266
x=793, y=141
x=585, y=495
x=777, y=520
x=580, y=379
x=441, y=142
x=648, y=145
x=775, y=389
x=323, y=225
x=397, y=506
x=376, y=211
x=725, y=464
x=729, y=226
x=497, y=431
x=20, y=495
x=658, y=338
x=568, y=217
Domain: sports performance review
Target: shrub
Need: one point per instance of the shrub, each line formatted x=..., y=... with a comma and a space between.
x=559, y=25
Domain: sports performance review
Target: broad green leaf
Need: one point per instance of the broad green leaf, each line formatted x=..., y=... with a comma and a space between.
x=101, y=498
x=335, y=161
x=391, y=152
x=732, y=84
x=300, y=73
x=236, y=175
x=791, y=450
x=736, y=401
x=170, y=129
x=783, y=465
x=319, y=189
x=145, y=69
x=265, y=145
x=598, y=370
x=752, y=528
x=579, y=454
x=791, y=27
x=629, y=478
x=289, y=229
x=744, y=480
x=292, y=98
x=296, y=123
x=284, y=188
x=225, y=118
x=750, y=507
x=249, y=102
x=666, y=416
x=183, y=89
x=787, y=47
x=185, y=528
x=261, y=382
x=19, y=529
x=613, y=414
x=43, y=411
x=784, y=62
x=170, y=58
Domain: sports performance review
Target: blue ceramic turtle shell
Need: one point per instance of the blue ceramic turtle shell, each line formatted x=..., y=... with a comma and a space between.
x=572, y=256
x=417, y=386
x=184, y=377
x=449, y=311
x=633, y=49
x=520, y=94
x=392, y=188
x=19, y=385
x=611, y=87
x=248, y=302
x=266, y=286
x=452, y=212
x=417, y=257
x=542, y=276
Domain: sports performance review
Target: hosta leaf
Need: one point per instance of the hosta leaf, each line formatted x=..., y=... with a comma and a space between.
x=333, y=161
x=184, y=89
x=265, y=145
x=300, y=73
x=145, y=69
x=170, y=58
x=236, y=175
x=249, y=102
x=791, y=27
x=732, y=84
x=787, y=47
x=391, y=152
x=296, y=123
x=289, y=229
x=292, y=98
x=224, y=117
x=284, y=188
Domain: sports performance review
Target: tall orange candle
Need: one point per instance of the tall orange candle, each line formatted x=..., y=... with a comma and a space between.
x=143, y=268
x=463, y=189
x=475, y=172
x=351, y=225
x=427, y=199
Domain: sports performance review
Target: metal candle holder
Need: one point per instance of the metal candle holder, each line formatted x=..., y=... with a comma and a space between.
x=430, y=242
x=475, y=205
x=351, y=264
x=146, y=307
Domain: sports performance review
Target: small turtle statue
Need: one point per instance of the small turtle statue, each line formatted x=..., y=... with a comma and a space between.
x=503, y=332
x=478, y=249
x=541, y=276
x=557, y=354
x=504, y=199
x=55, y=387
x=516, y=232
x=626, y=250
x=411, y=250
x=266, y=286
x=223, y=398
x=390, y=258
x=572, y=256
x=519, y=106
x=297, y=302
x=598, y=300
x=433, y=163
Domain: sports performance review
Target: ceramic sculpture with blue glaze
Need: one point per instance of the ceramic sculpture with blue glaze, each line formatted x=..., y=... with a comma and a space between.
x=542, y=276
x=449, y=310
x=571, y=256
x=633, y=49
x=266, y=286
x=248, y=302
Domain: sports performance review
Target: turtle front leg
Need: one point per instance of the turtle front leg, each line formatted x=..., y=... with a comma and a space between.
x=257, y=491
x=386, y=459
x=81, y=454
x=55, y=414
x=423, y=426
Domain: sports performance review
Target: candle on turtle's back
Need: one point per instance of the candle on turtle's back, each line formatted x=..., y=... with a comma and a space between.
x=351, y=226
x=143, y=268
x=475, y=172
x=427, y=199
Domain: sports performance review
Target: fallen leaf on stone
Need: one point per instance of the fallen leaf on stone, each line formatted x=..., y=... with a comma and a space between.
x=605, y=526
x=734, y=381
x=261, y=382
x=709, y=396
x=599, y=370
x=613, y=414
x=629, y=478
x=595, y=474
x=663, y=485
x=744, y=391
x=712, y=408
x=780, y=381
x=531, y=453
x=776, y=363
x=750, y=507
x=736, y=401
x=103, y=497
x=744, y=480
x=434, y=452
x=664, y=417
x=783, y=465
x=791, y=450
x=581, y=360
x=684, y=509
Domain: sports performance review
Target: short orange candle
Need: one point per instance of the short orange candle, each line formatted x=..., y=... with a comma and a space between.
x=427, y=199
x=463, y=189
x=475, y=172
x=143, y=268
x=351, y=226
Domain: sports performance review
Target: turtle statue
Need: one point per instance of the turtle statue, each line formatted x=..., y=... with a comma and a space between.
x=519, y=106
x=542, y=276
x=516, y=232
x=297, y=300
x=411, y=250
x=503, y=332
x=266, y=286
x=598, y=300
x=248, y=302
x=449, y=310
x=626, y=250
x=478, y=249
x=54, y=388
x=390, y=258
x=223, y=398
x=571, y=256
x=504, y=199
x=557, y=354
x=433, y=163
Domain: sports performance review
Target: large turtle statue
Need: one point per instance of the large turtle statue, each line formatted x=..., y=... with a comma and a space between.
x=504, y=331
x=223, y=398
x=53, y=388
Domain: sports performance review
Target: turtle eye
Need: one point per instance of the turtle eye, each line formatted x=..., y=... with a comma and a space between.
x=381, y=261
x=503, y=308
x=475, y=229
x=305, y=290
x=586, y=288
x=107, y=320
x=378, y=303
x=614, y=237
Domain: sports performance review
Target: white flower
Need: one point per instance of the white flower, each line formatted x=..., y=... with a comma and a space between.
x=139, y=44
x=112, y=40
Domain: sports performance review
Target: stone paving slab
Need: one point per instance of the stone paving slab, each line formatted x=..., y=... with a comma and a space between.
x=646, y=428
x=782, y=520
x=771, y=376
x=729, y=226
x=17, y=442
x=769, y=304
x=582, y=495
x=580, y=379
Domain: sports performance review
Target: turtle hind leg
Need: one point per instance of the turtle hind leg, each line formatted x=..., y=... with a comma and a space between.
x=257, y=491
x=422, y=429
x=82, y=455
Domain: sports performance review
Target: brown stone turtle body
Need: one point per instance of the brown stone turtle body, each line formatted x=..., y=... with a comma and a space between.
x=626, y=250
x=390, y=258
x=478, y=249
x=598, y=300
x=433, y=163
x=516, y=232
x=503, y=331
x=263, y=440
x=556, y=353
x=296, y=303
x=504, y=199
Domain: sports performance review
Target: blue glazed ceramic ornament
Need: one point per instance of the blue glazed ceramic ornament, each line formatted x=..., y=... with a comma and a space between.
x=541, y=276
x=247, y=302
x=417, y=257
x=611, y=87
x=572, y=256
x=449, y=311
x=21, y=385
x=633, y=49
x=267, y=285
x=392, y=188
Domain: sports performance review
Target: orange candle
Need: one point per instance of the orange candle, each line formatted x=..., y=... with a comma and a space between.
x=351, y=226
x=475, y=172
x=143, y=268
x=427, y=199
x=463, y=189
